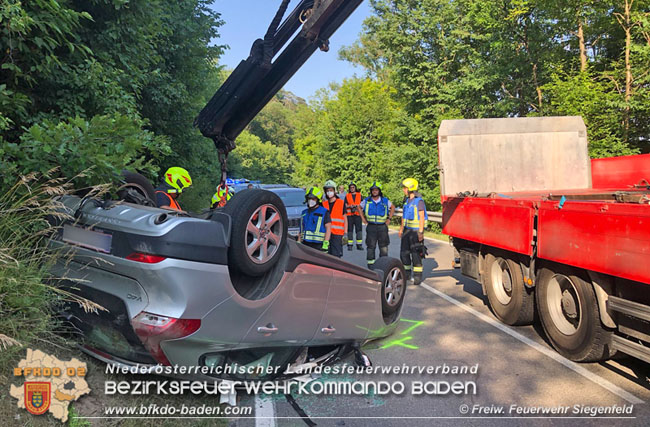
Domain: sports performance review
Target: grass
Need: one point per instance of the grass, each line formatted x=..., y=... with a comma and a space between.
x=28, y=298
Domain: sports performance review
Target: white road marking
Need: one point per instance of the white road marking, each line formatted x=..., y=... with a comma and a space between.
x=544, y=350
x=264, y=411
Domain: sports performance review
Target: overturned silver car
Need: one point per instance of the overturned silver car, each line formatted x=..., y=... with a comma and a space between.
x=226, y=289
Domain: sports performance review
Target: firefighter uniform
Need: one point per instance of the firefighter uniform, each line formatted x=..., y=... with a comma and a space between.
x=315, y=224
x=413, y=223
x=336, y=209
x=377, y=211
x=221, y=197
x=352, y=200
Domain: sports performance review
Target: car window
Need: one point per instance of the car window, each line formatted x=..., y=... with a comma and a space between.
x=291, y=198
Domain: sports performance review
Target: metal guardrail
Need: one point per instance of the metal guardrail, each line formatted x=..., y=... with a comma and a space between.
x=431, y=216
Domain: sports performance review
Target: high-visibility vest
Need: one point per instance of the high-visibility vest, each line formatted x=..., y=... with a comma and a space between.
x=172, y=203
x=352, y=200
x=336, y=213
x=376, y=212
x=412, y=215
x=313, y=225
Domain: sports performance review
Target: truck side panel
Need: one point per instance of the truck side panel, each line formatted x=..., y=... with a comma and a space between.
x=604, y=237
x=503, y=223
x=620, y=172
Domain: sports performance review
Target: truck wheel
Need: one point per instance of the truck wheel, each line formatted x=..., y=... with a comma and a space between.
x=568, y=309
x=511, y=301
x=393, y=288
x=259, y=231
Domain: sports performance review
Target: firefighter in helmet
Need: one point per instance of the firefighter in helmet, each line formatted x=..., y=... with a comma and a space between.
x=315, y=226
x=376, y=212
x=336, y=209
x=414, y=221
x=352, y=203
x=175, y=181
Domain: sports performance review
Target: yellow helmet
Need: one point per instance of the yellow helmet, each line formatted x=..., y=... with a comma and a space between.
x=314, y=192
x=411, y=184
x=178, y=179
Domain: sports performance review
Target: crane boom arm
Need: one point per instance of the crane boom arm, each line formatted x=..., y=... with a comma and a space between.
x=258, y=78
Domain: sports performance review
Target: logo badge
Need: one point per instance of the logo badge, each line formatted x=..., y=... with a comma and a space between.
x=37, y=397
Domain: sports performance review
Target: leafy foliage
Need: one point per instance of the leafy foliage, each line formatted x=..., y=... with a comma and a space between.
x=154, y=62
x=100, y=148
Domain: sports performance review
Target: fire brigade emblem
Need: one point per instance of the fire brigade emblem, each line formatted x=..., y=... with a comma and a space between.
x=37, y=397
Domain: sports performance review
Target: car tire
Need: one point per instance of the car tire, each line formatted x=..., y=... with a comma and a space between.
x=259, y=231
x=393, y=287
x=511, y=301
x=568, y=310
x=135, y=182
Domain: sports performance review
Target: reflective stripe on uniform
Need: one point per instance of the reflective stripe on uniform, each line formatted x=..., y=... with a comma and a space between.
x=407, y=267
x=317, y=235
x=337, y=216
x=371, y=261
x=172, y=203
x=412, y=214
x=418, y=269
x=359, y=242
x=375, y=218
x=352, y=202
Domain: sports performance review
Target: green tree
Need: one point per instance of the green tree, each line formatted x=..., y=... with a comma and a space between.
x=257, y=160
x=361, y=132
x=276, y=122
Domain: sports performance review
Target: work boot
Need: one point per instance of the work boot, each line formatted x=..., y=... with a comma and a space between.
x=360, y=247
x=417, y=279
x=349, y=247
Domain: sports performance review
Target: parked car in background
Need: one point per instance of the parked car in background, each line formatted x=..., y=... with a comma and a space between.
x=244, y=186
x=294, y=202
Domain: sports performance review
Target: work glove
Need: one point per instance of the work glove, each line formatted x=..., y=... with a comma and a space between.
x=326, y=246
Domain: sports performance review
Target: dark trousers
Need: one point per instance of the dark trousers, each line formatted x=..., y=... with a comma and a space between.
x=336, y=245
x=376, y=233
x=354, y=223
x=314, y=245
x=410, y=256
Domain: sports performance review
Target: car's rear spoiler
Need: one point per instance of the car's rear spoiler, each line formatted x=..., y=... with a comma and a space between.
x=257, y=79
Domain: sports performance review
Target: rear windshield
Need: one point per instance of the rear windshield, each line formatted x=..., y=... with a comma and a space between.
x=291, y=198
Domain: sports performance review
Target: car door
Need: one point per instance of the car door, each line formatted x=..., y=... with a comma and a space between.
x=350, y=307
x=296, y=312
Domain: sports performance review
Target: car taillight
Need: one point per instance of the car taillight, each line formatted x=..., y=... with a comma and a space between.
x=145, y=258
x=152, y=329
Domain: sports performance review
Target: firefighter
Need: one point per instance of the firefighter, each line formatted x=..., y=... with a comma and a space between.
x=376, y=212
x=222, y=196
x=176, y=180
x=336, y=208
x=414, y=220
x=315, y=227
x=352, y=204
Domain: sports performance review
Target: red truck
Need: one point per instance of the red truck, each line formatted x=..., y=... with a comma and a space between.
x=550, y=233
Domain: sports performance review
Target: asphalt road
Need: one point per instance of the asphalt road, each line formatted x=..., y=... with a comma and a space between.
x=447, y=322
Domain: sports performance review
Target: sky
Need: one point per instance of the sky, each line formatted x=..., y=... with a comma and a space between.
x=248, y=20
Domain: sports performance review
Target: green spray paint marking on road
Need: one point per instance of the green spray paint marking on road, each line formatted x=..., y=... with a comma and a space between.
x=416, y=323
x=401, y=341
